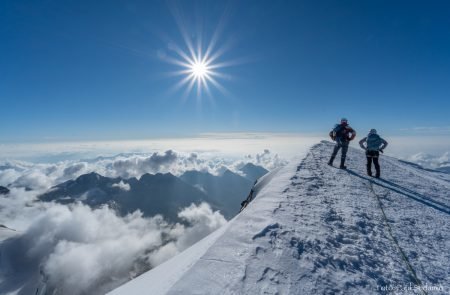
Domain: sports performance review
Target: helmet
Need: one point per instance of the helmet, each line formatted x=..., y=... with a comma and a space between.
x=373, y=131
x=344, y=121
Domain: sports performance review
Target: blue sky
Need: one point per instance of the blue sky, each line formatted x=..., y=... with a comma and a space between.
x=84, y=70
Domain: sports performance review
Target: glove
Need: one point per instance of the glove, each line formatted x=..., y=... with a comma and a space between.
x=381, y=151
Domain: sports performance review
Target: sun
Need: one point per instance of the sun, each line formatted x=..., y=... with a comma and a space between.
x=200, y=60
x=200, y=70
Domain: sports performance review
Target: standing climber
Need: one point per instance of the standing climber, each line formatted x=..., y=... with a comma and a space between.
x=342, y=134
x=374, y=145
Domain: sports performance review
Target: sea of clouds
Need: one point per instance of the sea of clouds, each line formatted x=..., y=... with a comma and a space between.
x=78, y=250
x=45, y=175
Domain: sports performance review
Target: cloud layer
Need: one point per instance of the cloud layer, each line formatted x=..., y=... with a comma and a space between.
x=77, y=250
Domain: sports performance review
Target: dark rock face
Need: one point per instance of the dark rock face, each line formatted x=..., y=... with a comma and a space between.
x=152, y=194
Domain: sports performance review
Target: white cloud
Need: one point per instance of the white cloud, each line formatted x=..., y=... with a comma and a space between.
x=138, y=165
x=33, y=178
x=269, y=160
x=122, y=185
x=8, y=176
x=163, y=253
x=18, y=209
x=430, y=161
x=83, y=251
x=75, y=169
x=80, y=249
x=202, y=220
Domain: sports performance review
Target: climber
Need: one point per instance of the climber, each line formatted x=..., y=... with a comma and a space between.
x=342, y=134
x=374, y=145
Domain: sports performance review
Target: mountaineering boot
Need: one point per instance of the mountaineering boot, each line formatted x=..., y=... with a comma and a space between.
x=331, y=161
x=342, y=164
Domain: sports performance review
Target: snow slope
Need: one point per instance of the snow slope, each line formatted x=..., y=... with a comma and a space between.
x=315, y=229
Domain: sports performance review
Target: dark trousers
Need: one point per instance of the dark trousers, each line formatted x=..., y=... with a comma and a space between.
x=372, y=156
x=337, y=147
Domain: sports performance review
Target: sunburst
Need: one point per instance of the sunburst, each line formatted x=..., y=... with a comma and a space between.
x=198, y=70
x=201, y=65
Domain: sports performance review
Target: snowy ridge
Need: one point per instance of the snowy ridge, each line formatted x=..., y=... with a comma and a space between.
x=318, y=229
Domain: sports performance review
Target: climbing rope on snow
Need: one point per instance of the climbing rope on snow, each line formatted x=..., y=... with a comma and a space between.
x=391, y=234
x=395, y=241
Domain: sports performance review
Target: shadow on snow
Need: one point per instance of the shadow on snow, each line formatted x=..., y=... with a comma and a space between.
x=405, y=192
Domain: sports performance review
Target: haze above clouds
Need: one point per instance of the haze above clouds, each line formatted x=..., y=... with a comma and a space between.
x=226, y=145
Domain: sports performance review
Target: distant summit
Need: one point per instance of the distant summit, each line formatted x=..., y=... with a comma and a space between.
x=253, y=172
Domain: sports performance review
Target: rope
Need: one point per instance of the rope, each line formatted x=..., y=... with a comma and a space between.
x=394, y=239
x=391, y=234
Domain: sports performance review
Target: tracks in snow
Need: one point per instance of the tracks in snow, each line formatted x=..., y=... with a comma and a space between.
x=329, y=235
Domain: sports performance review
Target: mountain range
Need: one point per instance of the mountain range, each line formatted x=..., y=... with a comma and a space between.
x=159, y=193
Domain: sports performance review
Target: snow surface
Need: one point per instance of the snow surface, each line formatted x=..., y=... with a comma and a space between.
x=316, y=229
